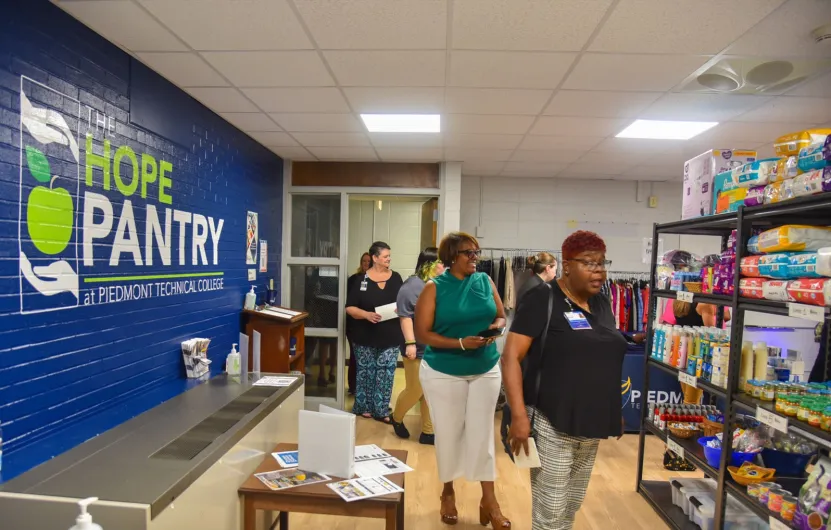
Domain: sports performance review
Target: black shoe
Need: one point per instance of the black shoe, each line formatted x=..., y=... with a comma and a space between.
x=427, y=439
x=400, y=429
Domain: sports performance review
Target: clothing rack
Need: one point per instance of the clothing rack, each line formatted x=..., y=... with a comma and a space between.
x=502, y=263
x=628, y=293
x=626, y=275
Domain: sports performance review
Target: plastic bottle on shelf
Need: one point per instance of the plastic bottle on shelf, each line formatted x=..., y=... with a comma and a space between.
x=682, y=351
x=760, y=361
x=232, y=362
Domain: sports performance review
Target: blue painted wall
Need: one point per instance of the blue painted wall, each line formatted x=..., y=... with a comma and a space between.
x=64, y=357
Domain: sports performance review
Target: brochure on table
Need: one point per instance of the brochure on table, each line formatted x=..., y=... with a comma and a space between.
x=364, y=488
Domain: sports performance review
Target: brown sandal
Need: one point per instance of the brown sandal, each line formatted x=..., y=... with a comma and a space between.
x=494, y=518
x=449, y=515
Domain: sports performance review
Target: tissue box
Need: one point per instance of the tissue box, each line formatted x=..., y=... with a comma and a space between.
x=698, y=197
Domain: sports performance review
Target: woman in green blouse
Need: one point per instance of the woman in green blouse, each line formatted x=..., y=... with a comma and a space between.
x=460, y=373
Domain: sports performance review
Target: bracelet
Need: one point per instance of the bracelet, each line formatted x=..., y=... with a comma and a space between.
x=462, y=345
x=410, y=343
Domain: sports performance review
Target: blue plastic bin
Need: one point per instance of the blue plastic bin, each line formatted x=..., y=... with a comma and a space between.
x=713, y=456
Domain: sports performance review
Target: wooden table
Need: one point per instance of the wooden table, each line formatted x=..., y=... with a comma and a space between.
x=318, y=498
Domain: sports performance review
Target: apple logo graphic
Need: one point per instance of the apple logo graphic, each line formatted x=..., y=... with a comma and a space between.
x=49, y=211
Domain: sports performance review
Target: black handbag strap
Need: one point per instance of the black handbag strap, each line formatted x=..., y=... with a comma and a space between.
x=538, y=377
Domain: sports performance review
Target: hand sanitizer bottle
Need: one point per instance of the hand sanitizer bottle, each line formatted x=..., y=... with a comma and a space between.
x=84, y=521
x=250, y=299
x=232, y=362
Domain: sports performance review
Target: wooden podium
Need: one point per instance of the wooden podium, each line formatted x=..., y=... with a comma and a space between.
x=276, y=333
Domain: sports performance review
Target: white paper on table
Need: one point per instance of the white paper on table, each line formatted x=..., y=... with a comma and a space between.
x=380, y=467
x=364, y=488
x=256, y=351
x=532, y=460
x=243, y=353
x=286, y=459
x=271, y=380
x=387, y=312
x=370, y=452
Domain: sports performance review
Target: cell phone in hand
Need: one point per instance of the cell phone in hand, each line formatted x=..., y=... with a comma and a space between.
x=488, y=333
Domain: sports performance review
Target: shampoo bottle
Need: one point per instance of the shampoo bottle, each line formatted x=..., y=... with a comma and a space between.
x=84, y=521
x=232, y=362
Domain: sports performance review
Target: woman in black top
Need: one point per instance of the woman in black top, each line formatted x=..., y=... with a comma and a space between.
x=377, y=344
x=366, y=262
x=578, y=401
x=542, y=268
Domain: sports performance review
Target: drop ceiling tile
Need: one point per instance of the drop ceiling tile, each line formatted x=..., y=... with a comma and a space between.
x=701, y=107
x=271, y=69
x=468, y=153
x=237, y=25
x=486, y=124
x=603, y=158
x=568, y=125
x=662, y=148
x=125, y=23
x=344, y=153
x=495, y=100
x=532, y=169
x=489, y=141
x=406, y=139
x=376, y=24
x=409, y=154
x=567, y=174
x=565, y=156
x=273, y=139
x=323, y=139
x=312, y=122
x=646, y=178
x=317, y=99
x=396, y=100
x=292, y=153
x=682, y=26
x=582, y=143
x=743, y=135
x=597, y=168
x=508, y=69
x=599, y=104
x=482, y=169
x=387, y=68
x=819, y=87
x=632, y=72
x=222, y=99
x=250, y=121
x=645, y=172
x=544, y=25
x=183, y=69
x=789, y=109
x=792, y=25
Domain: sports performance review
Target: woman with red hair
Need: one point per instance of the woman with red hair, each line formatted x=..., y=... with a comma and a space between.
x=569, y=398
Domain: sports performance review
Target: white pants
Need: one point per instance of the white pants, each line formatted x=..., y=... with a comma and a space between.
x=463, y=415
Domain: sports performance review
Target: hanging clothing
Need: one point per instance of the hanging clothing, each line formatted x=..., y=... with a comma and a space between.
x=510, y=293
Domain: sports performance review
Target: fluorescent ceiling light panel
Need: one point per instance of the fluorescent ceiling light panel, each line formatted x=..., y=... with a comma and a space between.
x=666, y=130
x=405, y=123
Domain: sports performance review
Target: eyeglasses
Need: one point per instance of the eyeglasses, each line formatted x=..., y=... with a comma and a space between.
x=472, y=253
x=595, y=266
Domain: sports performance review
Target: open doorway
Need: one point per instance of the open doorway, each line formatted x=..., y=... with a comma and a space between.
x=408, y=224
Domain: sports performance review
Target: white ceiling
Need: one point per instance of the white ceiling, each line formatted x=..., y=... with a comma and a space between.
x=526, y=88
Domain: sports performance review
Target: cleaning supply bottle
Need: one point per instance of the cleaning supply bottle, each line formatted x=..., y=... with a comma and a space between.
x=84, y=521
x=250, y=299
x=232, y=362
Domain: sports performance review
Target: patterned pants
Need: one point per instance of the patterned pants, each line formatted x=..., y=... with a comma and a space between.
x=559, y=486
x=375, y=374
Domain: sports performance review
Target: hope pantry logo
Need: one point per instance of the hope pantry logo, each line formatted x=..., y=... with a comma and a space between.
x=64, y=233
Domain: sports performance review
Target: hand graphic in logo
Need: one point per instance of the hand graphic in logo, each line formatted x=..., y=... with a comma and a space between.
x=57, y=277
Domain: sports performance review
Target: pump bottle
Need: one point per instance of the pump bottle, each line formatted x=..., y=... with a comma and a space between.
x=84, y=520
x=250, y=299
x=232, y=362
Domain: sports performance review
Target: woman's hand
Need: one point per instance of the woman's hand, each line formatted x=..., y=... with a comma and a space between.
x=639, y=338
x=474, y=343
x=410, y=351
x=372, y=317
x=519, y=432
x=499, y=323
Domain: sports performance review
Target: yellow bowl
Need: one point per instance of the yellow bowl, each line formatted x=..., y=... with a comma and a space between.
x=763, y=475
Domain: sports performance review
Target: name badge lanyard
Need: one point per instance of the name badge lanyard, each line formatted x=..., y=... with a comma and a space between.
x=576, y=319
x=363, y=283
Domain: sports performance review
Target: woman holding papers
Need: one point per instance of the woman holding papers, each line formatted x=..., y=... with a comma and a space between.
x=428, y=266
x=377, y=337
x=353, y=280
x=460, y=372
x=570, y=395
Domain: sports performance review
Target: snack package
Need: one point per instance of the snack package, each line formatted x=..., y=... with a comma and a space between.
x=775, y=266
x=810, y=183
x=790, y=144
x=811, y=291
x=776, y=290
x=752, y=288
x=755, y=196
x=814, y=506
x=729, y=201
x=804, y=265
x=749, y=267
x=786, y=168
x=756, y=173
x=812, y=157
x=795, y=238
x=779, y=191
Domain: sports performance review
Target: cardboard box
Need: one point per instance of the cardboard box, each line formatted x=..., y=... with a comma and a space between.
x=698, y=196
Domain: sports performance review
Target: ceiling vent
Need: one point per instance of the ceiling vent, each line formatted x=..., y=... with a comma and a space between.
x=753, y=75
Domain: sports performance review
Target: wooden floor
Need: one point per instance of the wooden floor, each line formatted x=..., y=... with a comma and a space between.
x=611, y=503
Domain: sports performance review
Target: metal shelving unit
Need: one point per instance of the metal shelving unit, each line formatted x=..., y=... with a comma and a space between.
x=814, y=210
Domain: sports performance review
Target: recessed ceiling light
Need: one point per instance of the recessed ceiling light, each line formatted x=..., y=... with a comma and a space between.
x=408, y=123
x=666, y=130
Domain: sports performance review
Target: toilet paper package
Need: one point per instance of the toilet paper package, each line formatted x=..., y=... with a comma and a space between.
x=776, y=290
x=795, y=238
x=755, y=196
x=790, y=144
x=751, y=288
x=697, y=195
x=812, y=291
x=804, y=265
x=812, y=157
x=786, y=168
x=756, y=173
x=775, y=265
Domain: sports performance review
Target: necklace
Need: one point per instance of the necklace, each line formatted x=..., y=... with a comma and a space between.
x=572, y=297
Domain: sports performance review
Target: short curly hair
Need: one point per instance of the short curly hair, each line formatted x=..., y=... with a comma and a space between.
x=582, y=241
x=449, y=246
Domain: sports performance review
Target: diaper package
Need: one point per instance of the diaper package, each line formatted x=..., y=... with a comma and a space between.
x=749, y=266
x=795, y=238
x=774, y=266
x=779, y=191
x=804, y=265
x=721, y=183
x=790, y=144
x=753, y=245
x=751, y=288
x=756, y=173
x=810, y=183
x=813, y=291
x=786, y=168
x=812, y=157
x=729, y=201
x=755, y=196
x=698, y=195
x=824, y=262
x=776, y=290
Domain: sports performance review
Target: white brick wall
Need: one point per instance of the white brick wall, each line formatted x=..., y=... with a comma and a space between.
x=540, y=213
